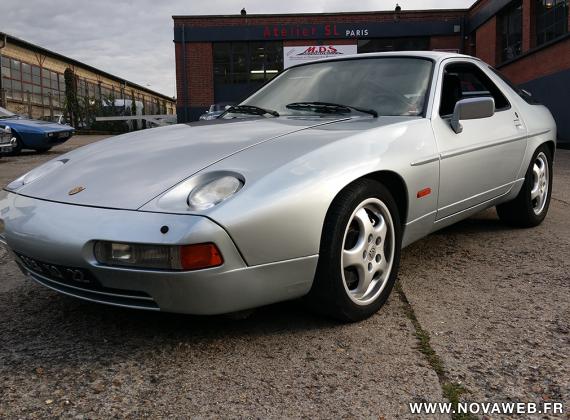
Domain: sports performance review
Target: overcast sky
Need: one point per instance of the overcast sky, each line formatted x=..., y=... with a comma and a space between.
x=133, y=38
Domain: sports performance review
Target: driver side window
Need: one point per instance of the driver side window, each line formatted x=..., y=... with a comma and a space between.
x=466, y=80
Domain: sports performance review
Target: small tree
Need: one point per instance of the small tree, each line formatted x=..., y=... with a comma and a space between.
x=71, y=102
x=135, y=123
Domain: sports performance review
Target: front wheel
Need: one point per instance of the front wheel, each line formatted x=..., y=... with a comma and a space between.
x=359, y=253
x=529, y=208
x=17, y=149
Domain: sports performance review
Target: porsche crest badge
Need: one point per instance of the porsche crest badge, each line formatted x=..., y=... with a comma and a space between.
x=75, y=190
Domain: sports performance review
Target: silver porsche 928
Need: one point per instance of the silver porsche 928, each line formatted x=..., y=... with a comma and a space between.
x=310, y=187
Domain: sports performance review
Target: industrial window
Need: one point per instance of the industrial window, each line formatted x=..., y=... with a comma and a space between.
x=551, y=20
x=466, y=80
x=20, y=79
x=393, y=44
x=246, y=62
x=510, y=21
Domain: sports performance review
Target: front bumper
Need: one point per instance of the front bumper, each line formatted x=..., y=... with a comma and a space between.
x=64, y=235
x=6, y=145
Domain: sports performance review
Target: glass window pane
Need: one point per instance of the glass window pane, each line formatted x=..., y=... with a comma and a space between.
x=551, y=19
x=36, y=71
x=240, y=62
x=511, y=28
x=6, y=71
x=273, y=59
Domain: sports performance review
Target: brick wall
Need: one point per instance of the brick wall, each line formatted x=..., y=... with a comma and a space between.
x=528, y=35
x=445, y=43
x=486, y=41
x=540, y=63
x=199, y=74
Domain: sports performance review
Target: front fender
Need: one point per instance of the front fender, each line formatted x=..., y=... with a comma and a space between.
x=30, y=139
x=291, y=182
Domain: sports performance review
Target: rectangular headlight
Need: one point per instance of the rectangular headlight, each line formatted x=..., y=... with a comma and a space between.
x=159, y=257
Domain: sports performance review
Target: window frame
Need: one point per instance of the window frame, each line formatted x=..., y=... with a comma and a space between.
x=543, y=13
x=505, y=24
x=482, y=70
x=31, y=81
x=230, y=63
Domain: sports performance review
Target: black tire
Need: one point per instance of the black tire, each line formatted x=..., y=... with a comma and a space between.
x=523, y=211
x=330, y=293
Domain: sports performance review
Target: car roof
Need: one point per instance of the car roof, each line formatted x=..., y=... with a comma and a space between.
x=432, y=55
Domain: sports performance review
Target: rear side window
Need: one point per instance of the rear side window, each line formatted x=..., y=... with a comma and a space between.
x=466, y=80
x=521, y=92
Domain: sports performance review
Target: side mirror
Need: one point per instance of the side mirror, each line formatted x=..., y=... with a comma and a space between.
x=471, y=109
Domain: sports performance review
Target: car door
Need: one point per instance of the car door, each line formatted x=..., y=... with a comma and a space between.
x=481, y=162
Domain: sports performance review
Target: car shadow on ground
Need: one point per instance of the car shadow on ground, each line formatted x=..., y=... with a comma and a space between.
x=49, y=328
x=484, y=222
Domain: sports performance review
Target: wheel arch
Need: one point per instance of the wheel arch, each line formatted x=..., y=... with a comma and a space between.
x=397, y=187
x=551, y=144
x=394, y=183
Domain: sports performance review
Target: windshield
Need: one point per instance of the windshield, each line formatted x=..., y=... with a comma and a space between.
x=4, y=113
x=388, y=86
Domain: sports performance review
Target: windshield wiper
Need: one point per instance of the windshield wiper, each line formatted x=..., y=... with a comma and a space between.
x=330, y=108
x=252, y=110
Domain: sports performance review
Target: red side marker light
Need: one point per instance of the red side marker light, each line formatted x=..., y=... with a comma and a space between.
x=424, y=192
x=195, y=257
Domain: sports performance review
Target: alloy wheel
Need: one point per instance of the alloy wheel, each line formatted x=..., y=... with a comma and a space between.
x=540, y=183
x=368, y=251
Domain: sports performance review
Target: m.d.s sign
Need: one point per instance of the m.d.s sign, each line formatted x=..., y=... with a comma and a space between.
x=307, y=53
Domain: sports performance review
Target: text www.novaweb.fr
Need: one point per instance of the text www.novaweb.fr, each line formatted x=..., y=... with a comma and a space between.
x=487, y=408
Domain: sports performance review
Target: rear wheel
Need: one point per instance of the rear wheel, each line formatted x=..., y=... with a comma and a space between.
x=530, y=207
x=360, y=253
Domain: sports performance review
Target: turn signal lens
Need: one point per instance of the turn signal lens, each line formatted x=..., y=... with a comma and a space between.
x=195, y=257
x=160, y=257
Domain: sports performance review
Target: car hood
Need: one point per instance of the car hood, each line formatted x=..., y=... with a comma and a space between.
x=127, y=171
x=33, y=125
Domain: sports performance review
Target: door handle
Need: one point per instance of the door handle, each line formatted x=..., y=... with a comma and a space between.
x=517, y=121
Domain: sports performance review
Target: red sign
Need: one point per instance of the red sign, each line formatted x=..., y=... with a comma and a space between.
x=298, y=31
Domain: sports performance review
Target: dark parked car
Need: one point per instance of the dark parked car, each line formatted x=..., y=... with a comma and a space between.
x=34, y=134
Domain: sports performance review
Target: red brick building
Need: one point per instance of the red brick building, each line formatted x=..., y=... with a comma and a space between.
x=223, y=59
